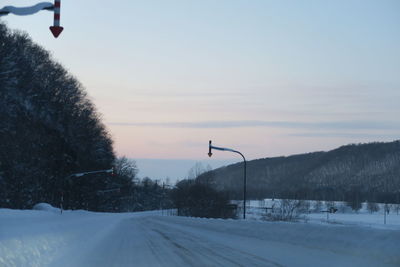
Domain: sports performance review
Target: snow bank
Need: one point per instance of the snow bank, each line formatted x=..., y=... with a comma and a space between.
x=46, y=207
x=39, y=237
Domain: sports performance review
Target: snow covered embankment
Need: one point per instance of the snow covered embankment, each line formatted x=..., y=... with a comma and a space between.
x=37, y=238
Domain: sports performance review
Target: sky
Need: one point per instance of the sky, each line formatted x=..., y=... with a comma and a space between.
x=267, y=78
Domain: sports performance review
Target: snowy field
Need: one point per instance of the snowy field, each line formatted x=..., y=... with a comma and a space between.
x=81, y=238
x=344, y=215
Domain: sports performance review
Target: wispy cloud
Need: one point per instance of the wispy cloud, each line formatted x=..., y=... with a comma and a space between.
x=343, y=125
x=347, y=135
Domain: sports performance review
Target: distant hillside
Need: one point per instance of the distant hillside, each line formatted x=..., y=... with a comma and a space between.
x=363, y=171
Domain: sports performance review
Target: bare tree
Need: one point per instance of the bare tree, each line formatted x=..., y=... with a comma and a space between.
x=372, y=207
x=288, y=210
x=125, y=167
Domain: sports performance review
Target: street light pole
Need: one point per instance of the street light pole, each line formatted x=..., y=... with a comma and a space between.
x=79, y=174
x=210, y=147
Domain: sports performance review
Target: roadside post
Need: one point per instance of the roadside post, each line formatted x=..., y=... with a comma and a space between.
x=330, y=210
x=385, y=211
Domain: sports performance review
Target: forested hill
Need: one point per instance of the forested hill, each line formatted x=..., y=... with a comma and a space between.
x=364, y=171
x=49, y=129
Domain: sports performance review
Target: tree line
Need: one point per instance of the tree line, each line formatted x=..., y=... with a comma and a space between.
x=49, y=129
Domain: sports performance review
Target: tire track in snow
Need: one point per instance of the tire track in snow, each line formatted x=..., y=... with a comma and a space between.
x=219, y=255
x=195, y=253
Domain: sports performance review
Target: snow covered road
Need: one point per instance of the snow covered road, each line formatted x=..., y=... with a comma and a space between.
x=37, y=238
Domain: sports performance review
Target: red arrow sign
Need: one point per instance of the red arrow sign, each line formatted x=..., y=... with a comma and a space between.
x=56, y=30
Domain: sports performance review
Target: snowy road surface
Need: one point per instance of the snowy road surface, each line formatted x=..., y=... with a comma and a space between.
x=79, y=238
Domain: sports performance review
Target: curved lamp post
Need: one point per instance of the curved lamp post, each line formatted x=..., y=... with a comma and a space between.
x=79, y=174
x=210, y=147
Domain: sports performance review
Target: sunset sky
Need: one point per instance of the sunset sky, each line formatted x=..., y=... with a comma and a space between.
x=268, y=78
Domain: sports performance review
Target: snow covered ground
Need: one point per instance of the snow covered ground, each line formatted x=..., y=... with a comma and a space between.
x=81, y=238
x=344, y=214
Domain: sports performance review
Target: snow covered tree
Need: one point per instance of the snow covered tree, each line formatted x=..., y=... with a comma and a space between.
x=49, y=128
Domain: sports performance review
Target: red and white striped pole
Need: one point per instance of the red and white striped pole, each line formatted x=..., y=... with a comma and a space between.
x=56, y=29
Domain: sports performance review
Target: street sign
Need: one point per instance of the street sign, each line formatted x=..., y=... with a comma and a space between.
x=56, y=29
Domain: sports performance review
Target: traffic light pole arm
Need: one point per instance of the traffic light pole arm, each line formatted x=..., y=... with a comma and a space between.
x=228, y=149
x=24, y=11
